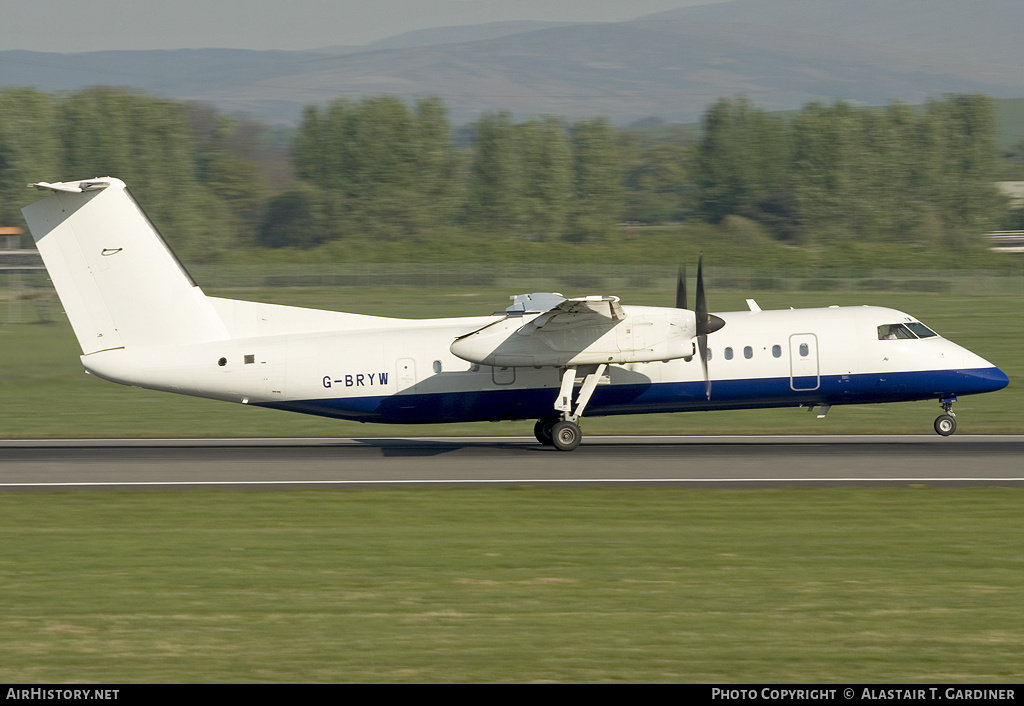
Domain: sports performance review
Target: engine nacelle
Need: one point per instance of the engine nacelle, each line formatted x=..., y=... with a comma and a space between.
x=644, y=335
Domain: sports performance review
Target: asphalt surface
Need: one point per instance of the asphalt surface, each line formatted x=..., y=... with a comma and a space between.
x=720, y=461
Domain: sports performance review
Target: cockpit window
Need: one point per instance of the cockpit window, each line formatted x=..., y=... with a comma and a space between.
x=895, y=332
x=921, y=330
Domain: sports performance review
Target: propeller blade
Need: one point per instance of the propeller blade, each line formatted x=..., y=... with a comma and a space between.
x=702, y=302
x=706, y=323
x=681, y=288
x=702, y=344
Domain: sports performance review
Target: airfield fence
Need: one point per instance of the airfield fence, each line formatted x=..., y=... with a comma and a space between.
x=607, y=279
x=28, y=297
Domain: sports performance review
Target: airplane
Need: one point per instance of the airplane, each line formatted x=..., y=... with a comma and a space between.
x=141, y=320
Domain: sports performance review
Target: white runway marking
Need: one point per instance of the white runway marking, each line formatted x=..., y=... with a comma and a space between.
x=517, y=481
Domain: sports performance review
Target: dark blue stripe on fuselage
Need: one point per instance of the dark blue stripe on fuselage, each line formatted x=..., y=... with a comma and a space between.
x=497, y=404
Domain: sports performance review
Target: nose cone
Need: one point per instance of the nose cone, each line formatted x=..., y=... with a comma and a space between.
x=978, y=375
x=987, y=379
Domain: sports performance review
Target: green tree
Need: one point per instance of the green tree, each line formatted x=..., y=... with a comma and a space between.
x=835, y=164
x=147, y=143
x=298, y=217
x=30, y=149
x=386, y=170
x=658, y=183
x=969, y=166
x=496, y=182
x=598, y=190
x=440, y=167
x=521, y=178
x=229, y=153
x=546, y=170
x=897, y=174
x=742, y=164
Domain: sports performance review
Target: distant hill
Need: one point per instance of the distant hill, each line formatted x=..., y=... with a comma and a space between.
x=458, y=35
x=780, y=53
x=948, y=31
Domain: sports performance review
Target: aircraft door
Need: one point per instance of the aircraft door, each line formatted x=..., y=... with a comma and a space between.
x=503, y=375
x=803, y=362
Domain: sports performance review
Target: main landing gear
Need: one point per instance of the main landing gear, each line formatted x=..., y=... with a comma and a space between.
x=562, y=430
x=563, y=434
x=945, y=423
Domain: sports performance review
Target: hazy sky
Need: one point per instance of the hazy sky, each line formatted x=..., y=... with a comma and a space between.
x=92, y=25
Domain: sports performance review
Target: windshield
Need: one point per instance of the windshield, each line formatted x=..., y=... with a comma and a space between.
x=921, y=330
x=911, y=329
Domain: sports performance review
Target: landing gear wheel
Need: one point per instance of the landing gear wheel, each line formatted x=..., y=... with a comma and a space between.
x=945, y=424
x=542, y=430
x=566, y=436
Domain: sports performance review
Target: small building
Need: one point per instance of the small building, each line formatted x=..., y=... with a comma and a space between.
x=1014, y=191
x=1006, y=240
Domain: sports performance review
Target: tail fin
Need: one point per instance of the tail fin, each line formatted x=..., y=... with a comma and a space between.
x=120, y=284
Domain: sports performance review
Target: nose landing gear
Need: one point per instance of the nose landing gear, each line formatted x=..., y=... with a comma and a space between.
x=945, y=423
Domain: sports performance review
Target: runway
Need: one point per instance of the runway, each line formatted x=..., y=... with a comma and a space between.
x=696, y=462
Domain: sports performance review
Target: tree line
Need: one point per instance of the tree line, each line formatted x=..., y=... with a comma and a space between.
x=379, y=166
x=835, y=173
x=383, y=170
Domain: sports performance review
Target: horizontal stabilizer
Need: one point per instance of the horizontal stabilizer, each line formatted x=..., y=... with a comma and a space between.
x=71, y=187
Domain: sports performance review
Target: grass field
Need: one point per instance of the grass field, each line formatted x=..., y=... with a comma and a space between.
x=513, y=585
x=43, y=391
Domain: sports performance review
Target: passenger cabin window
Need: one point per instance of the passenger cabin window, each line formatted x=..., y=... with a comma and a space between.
x=728, y=353
x=776, y=351
x=748, y=352
x=897, y=332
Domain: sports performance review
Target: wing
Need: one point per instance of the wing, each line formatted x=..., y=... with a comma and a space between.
x=583, y=331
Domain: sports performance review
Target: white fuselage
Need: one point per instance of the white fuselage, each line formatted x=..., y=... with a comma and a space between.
x=397, y=370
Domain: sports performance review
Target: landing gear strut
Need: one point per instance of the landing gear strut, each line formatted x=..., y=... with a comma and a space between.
x=563, y=431
x=945, y=423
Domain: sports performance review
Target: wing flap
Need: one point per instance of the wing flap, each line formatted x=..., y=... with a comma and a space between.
x=582, y=311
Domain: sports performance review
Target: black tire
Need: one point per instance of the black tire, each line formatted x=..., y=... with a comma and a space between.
x=566, y=436
x=945, y=425
x=542, y=430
